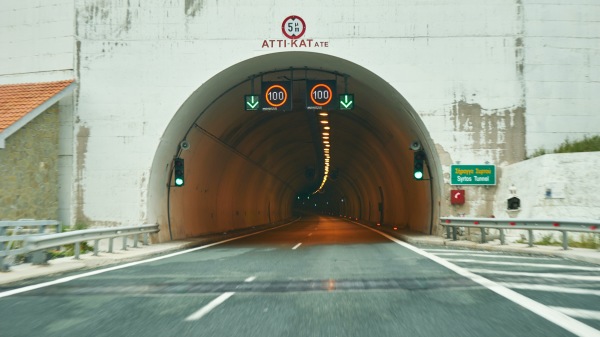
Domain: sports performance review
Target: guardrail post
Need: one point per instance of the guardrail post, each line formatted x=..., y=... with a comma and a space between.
x=77, y=250
x=146, y=239
x=110, y=245
x=96, y=247
x=502, y=237
x=3, y=267
x=39, y=257
x=482, y=235
x=125, y=242
x=565, y=240
x=135, y=240
x=448, y=232
x=454, y=229
x=530, y=231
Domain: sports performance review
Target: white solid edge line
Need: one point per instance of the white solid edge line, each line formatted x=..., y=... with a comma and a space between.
x=131, y=264
x=296, y=246
x=210, y=306
x=554, y=316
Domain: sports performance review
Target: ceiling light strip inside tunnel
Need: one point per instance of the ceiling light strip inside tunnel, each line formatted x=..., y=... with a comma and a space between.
x=326, y=132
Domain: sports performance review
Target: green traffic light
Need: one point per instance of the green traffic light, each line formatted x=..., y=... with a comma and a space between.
x=179, y=172
x=418, y=175
x=419, y=157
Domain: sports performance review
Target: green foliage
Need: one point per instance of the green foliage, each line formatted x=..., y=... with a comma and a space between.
x=69, y=250
x=586, y=145
x=591, y=144
x=586, y=240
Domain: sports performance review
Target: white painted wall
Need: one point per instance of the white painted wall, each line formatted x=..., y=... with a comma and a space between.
x=562, y=71
x=571, y=177
x=138, y=61
x=36, y=40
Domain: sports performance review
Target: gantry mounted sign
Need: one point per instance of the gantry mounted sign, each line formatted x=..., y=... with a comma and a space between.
x=251, y=102
x=346, y=101
x=320, y=95
x=276, y=96
x=473, y=174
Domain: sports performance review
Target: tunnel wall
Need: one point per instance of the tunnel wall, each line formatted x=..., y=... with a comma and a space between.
x=491, y=81
x=226, y=192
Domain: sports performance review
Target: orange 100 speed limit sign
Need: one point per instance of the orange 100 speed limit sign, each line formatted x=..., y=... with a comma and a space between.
x=276, y=96
x=320, y=94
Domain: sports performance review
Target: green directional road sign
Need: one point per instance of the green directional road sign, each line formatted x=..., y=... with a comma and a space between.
x=346, y=101
x=251, y=102
x=473, y=174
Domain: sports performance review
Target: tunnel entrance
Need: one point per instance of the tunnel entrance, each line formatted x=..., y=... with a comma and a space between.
x=248, y=168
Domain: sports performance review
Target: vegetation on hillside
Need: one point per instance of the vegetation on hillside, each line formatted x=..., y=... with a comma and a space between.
x=587, y=144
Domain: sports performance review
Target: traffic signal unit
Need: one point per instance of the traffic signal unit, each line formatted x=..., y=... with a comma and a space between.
x=179, y=172
x=419, y=158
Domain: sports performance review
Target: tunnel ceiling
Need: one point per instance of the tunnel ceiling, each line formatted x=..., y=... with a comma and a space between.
x=370, y=156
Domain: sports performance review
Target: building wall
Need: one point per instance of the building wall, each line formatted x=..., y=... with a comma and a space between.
x=29, y=166
x=559, y=186
x=37, y=40
x=491, y=80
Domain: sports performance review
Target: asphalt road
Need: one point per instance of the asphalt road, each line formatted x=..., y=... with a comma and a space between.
x=315, y=277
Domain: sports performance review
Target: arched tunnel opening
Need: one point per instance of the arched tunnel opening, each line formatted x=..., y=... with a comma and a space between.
x=248, y=168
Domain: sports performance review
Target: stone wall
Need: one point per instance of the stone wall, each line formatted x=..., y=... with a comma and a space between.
x=29, y=166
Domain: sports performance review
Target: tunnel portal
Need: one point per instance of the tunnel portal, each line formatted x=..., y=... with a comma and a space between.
x=248, y=168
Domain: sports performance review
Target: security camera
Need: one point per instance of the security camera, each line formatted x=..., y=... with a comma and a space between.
x=184, y=145
x=415, y=146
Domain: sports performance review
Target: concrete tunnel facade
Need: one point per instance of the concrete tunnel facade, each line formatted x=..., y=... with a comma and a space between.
x=248, y=168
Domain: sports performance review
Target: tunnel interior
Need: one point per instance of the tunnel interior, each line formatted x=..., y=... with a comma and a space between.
x=249, y=168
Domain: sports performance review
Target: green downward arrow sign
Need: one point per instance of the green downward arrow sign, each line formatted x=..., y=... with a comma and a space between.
x=347, y=101
x=251, y=102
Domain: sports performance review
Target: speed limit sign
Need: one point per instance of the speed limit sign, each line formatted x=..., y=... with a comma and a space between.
x=276, y=96
x=320, y=93
x=293, y=27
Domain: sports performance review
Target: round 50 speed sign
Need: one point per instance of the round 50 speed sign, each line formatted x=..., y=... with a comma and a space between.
x=293, y=27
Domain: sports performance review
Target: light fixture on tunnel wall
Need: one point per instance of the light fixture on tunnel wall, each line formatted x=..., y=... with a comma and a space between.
x=184, y=145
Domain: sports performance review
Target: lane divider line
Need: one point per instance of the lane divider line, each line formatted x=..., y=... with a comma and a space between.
x=496, y=256
x=525, y=264
x=127, y=265
x=590, y=278
x=214, y=303
x=554, y=289
x=209, y=307
x=580, y=313
x=564, y=321
x=296, y=246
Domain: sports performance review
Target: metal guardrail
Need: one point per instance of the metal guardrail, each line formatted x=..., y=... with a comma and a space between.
x=38, y=244
x=20, y=230
x=564, y=226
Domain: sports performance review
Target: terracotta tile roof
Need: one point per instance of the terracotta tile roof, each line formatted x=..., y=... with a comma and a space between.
x=17, y=100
